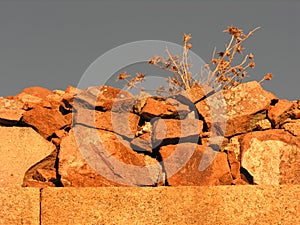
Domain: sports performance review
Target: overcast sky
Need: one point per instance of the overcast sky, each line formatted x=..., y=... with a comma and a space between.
x=52, y=43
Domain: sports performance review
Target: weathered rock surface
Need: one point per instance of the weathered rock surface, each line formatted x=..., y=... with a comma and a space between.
x=171, y=131
x=142, y=143
x=124, y=124
x=20, y=148
x=10, y=111
x=33, y=95
x=244, y=106
x=170, y=108
x=190, y=164
x=103, y=159
x=43, y=173
x=272, y=157
x=45, y=121
x=194, y=94
x=292, y=126
x=36, y=91
x=280, y=111
x=105, y=98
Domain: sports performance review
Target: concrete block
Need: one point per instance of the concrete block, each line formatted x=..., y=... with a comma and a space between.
x=19, y=206
x=172, y=205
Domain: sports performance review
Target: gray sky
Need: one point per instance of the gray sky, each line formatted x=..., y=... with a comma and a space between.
x=52, y=43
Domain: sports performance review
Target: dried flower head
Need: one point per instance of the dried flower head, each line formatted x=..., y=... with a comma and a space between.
x=214, y=60
x=252, y=64
x=140, y=77
x=123, y=76
x=187, y=37
x=155, y=60
x=268, y=76
x=239, y=49
x=236, y=32
x=251, y=56
x=189, y=45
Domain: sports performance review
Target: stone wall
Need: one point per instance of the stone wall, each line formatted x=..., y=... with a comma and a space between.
x=103, y=136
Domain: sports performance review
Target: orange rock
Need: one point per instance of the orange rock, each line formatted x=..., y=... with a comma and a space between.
x=124, y=124
x=171, y=131
x=280, y=111
x=240, y=108
x=45, y=121
x=20, y=149
x=272, y=157
x=142, y=143
x=10, y=111
x=183, y=162
x=170, y=108
x=36, y=91
x=103, y=159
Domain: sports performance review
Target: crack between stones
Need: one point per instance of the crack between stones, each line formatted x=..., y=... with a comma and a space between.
x=57, y=182
x=40, y=212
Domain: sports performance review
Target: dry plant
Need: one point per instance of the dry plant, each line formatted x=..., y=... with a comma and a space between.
x=221, y=73
x=131, y=82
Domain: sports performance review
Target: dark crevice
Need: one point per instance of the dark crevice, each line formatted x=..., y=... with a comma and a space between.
x=140, y=150
x=99, y=108
x=51, y=136
x=142, y=122
x=156, y=154
x=57, y=182
x=205, y=126
x=274, y=102
x=246, y=175
x=23, y=124
x=150, y=117
x=40, y=212
x=8, y=123
x=64, y=111
x=47, y=164
x=67, y=128
x=67, y=104
x=174, y=141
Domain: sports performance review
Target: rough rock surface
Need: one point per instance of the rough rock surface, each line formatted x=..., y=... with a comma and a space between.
x=170, y=108
x=170, y=131
x=244, y=106
x=36, y=91
x=20, y=148
x=280, y=111
x=272, y=157
x=105, y=98
x=11, y=111
x=45, y=121
x=102, y=162
x=124, y=124
x=292, y=126
x=142, y=143
x=33, y=95
x=191, y=164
